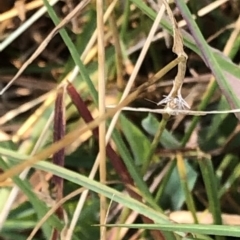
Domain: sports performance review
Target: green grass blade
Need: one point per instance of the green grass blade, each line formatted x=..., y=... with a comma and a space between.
x=211, y=188
x=182, y=171
x=231, y=231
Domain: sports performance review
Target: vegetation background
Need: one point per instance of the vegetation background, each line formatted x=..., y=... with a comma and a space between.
x=162, y=176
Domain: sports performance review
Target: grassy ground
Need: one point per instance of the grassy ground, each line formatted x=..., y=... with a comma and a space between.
x=72, y=163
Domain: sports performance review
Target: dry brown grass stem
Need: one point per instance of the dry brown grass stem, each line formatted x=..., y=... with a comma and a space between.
x=101, y=103
x=14, y=12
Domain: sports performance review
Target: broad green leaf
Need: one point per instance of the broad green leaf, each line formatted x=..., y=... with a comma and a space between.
x=138, y=142
x=174, y=196
x=150, y=124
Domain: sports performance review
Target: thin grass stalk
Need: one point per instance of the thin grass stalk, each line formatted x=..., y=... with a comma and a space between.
x=184, y=183
x=23, y=108
x=164, y=182
x=217, y=120
x=126, y=14
x=211, y=88
x=102, y=110
x=234, y=176
x=118, y=50
x=122, y=219
x=211, y=188
x=223, y=166
x=188, y=231
x=33, y=118
x=14, y=12
x=154, y=143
